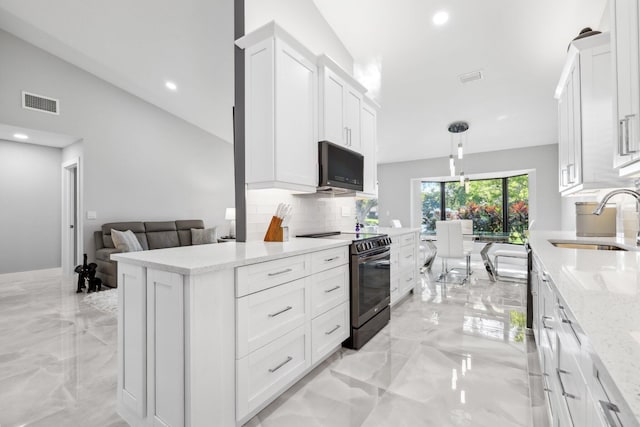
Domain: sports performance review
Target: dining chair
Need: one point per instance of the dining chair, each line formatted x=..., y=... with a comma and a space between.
x=451, y=246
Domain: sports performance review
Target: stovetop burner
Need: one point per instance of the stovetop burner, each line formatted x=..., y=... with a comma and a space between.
x=362, y=242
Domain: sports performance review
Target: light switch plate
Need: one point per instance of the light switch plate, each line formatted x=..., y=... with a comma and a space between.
x=92, y=215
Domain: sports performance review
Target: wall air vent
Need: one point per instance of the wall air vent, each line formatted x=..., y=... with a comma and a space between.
x=31, y=101
x=470, y=77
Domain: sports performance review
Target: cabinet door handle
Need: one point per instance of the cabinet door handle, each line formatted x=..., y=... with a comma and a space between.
x=621, y=138
x=335, y=288
x=627, y=133
x=287, y=308
x=562, y=389
x=288, y=270
x=350, y=141
x=331, y=259
x=571, y=175
x=289, y=359
x=607, y=409
x=333, y=330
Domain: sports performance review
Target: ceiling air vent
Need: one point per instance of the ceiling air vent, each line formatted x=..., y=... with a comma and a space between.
x=31, y=101
x=470, y=77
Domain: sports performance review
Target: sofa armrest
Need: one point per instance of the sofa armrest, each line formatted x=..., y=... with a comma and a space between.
x=97, y=237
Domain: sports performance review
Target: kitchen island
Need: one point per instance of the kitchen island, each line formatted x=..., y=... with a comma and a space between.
x=587, y=327
x=208, y=335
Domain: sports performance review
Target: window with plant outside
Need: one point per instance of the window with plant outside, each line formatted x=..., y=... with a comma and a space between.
x=498, y=205
x=367, y=212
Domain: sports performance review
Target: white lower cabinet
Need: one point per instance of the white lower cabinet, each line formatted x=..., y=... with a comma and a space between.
x=328, y=331
x=404, y=266
x=578, y=390
x=265, y=372
x=289, y=327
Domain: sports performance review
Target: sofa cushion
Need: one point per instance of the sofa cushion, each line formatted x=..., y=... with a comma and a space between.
x=162, y=234
x=104, y=254
x=184, y=229
x=126, y=241
x=201, y=236
x=136, y=226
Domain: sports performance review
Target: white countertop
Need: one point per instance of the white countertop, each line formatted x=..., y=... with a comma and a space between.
x=396, y=231
x=220, y=256
x=602, y=290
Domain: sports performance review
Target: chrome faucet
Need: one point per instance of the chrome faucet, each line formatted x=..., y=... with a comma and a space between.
x=600, y=208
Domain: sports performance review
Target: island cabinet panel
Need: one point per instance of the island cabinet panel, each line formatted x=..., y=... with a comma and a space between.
x=403, y=265
x=132, y=375
x=165, y=342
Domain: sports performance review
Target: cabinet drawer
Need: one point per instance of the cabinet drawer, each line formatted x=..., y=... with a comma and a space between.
x=328, y=331
x=267, y=315
x=407, y=281
x=264, y=373
x=394, y=290
x=405, y=239
x=407, y=257
x=330, y=258
x=329, y=289
x=264, y=275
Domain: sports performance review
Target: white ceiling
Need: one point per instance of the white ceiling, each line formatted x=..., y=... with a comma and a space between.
x=520, y=46
x=138, y=45
x=36, y=137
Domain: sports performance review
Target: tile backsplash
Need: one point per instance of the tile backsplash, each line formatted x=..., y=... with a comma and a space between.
x=311, y=212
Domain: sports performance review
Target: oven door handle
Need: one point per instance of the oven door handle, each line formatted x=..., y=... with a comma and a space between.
x=379, y=255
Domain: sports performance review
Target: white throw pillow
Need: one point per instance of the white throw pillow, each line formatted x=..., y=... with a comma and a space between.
x=126, y=241
x=202, y=236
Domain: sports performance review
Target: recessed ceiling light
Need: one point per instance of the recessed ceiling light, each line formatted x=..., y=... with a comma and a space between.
x=20, y=136
x=440, y=18
x=171, y=86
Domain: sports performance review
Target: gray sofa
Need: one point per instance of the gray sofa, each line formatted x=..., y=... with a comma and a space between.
x=150, y=234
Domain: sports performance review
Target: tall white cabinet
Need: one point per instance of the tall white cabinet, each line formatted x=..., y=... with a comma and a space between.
x=585, y=133
x=625, y=26
x=281, y=93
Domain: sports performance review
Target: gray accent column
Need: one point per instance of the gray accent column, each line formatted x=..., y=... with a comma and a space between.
x=238, y=125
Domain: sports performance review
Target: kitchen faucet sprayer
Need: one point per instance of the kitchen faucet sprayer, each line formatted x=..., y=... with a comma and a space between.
x=598, y=210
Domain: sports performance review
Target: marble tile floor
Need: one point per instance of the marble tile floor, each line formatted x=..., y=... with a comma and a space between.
x=451, y=356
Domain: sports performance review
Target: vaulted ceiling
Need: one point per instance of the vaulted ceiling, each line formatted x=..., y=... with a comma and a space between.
x=518, y=45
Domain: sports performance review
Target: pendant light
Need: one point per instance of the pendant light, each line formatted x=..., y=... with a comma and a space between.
x=456, y=129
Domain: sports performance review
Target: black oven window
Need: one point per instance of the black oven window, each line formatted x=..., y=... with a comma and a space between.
x=374, y=284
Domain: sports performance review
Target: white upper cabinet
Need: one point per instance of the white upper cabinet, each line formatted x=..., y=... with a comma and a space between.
x=341, y=102
x=625, y=42
x=369, y=148
x=281, y=84
x=585, y=132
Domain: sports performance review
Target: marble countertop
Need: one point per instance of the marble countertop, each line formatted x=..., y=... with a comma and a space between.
x=397, y=231
x=220, y=256
x=602, y=291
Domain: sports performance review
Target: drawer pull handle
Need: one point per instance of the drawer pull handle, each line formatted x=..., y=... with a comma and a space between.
x=289, y=359
x=280, y=272
x=566, y=321
x=409, y=279
x=281, y=311
x=333, y=330
x=607, y=409
x=394, y=289
x=409, y=256
x=331, y=259
x=335, y=288
x=564, y=392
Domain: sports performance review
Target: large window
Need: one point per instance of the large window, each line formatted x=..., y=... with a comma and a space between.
x=495, y=205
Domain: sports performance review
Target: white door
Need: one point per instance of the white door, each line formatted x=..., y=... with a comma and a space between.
x=71, y=220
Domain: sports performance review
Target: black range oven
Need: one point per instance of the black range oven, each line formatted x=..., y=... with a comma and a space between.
x=370, y=261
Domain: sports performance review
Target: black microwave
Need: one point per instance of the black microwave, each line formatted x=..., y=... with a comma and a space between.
x=340, y=168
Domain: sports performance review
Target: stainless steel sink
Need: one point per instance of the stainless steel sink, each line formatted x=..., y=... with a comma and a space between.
x=594, y=246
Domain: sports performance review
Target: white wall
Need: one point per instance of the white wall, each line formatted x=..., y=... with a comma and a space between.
x=30, y=193
x=311, y=213
x=395, y=182
x=139, y=162
x=302, y=19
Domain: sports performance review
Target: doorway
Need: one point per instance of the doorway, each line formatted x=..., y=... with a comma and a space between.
x=71, y=232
